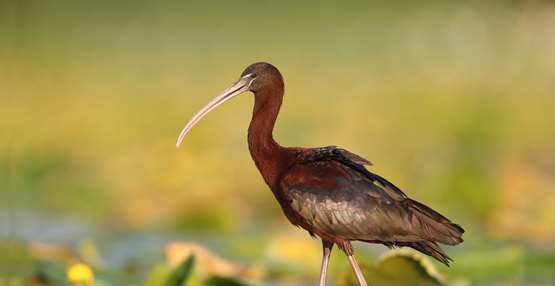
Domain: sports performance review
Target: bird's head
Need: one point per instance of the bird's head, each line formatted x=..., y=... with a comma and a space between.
x=265, y=75
x=255, y=78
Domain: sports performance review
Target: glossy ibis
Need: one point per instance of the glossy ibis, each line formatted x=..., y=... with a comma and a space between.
x=328, y=191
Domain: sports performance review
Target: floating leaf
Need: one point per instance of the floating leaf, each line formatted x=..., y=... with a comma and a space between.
x=206, y=261
x=180, y=275
x=400, y=268
x=89, y=253
x=158, y=275
x=224, y=281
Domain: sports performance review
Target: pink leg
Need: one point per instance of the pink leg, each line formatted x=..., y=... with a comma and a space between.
x=325, y=262
x=355, y=267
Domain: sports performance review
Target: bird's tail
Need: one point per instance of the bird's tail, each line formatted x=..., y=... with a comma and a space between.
x=434, y=227
x=429, y=248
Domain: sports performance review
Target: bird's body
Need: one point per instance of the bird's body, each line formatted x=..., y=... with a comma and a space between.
x=328, y=191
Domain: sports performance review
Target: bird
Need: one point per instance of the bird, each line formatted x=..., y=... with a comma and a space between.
x=328, y=191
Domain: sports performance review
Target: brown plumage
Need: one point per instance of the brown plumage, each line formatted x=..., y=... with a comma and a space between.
x=328, y=191
x=336, y=198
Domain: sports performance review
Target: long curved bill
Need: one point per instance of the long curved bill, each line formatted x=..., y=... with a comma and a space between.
x=235, y=89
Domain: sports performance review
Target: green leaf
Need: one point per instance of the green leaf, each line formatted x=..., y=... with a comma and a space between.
x=398, y=269
x=224, y=281
x=89, y=253
x=180, y=275
x=158, y=275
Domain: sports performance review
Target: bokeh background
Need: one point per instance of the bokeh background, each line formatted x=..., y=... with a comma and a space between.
x=452, y=100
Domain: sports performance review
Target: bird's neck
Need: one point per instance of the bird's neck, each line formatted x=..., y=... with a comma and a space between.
x=267, y=154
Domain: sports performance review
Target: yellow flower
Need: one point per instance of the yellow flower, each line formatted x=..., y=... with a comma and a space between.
x=80, y=273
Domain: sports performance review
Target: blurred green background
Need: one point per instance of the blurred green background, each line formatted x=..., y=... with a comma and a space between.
x=452, y=100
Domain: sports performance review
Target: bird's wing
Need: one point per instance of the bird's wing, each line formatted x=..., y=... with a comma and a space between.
x=333, y=192
x=335, y=154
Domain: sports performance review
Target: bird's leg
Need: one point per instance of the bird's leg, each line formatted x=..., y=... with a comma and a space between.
x=325, y=261
x=348, y=249
x=355, y=267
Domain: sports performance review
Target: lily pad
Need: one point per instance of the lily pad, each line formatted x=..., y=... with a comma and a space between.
x=180, y=275
x=398, y=268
